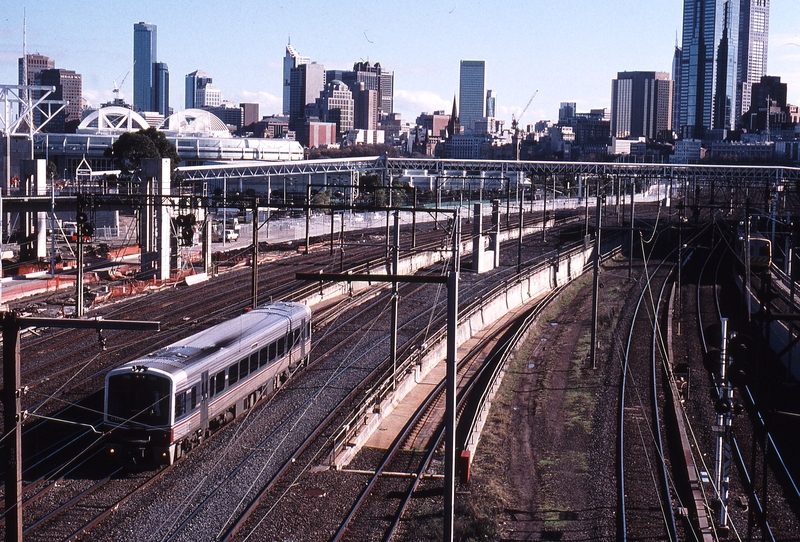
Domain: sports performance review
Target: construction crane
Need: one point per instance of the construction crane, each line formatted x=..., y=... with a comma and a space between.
x=117, y=87
x=515, y=125
x=515, y=120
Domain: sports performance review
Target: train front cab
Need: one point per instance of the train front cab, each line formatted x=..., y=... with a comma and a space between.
x=138, y=406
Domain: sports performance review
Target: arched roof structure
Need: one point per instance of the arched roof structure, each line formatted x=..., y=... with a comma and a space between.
x=194, y=122
x=112, y=120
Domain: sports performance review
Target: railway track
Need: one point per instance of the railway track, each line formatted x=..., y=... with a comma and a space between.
x=757, y=467
x=183, y=320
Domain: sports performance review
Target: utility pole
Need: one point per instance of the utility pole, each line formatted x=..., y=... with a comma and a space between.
x=12, y=400
x=451, y=280
x=255, y=252
x=630, y=248
x=595, y=283
x=395, y=299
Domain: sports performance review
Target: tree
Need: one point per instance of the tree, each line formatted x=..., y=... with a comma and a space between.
x=132, y=147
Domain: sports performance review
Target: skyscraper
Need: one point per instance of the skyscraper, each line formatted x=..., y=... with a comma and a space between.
x=291, y=60
x=200, y=92
x=336, y=105
x=374, y=78
x=471, y=93
x=35, y=65
x=307, y=82
x=641, y=105
x=31, y=69
x=69, y=87
x=754, y=25
x=491, y=103
x=160, y=88
x=724, y=50
x=144, y=55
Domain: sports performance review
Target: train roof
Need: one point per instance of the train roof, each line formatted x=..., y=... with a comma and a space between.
x=238, y=335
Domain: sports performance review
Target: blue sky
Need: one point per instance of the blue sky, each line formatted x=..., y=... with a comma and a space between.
x=568, y=50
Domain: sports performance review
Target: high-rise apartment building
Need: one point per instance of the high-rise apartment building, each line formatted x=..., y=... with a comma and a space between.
x=200, y=92
x=160, y=88
x=144, y=55
x=471, y=93
x=69, y=87
x=641, y=105
x=291, y=60
x=724, y=51
x=491, y=103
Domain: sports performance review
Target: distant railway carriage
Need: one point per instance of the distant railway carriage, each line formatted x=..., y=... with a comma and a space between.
x=760, y=253
x=161, y=405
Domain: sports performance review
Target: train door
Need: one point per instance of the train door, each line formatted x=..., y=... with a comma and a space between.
x=204, y=401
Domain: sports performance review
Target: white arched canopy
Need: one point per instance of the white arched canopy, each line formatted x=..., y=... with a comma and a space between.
x=195, y=122
x=112, y=119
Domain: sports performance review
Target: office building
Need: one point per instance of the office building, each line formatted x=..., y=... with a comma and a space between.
x=367, y=110
x=160, y=89
x=69, y=87
x=641, y=105
x=472, y=92
x=724, y=51
x=144, y=55
x=249, y=113
x=676, y=79
x=36, y=64
x=291, y=60
x=29, y=75
x=753, y=42
x=491, y=103
x=374, y=78
x=200, y=93
x=336, y=105
x=307, y=83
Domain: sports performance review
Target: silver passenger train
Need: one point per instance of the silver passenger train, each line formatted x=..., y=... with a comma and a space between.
x=160, y=406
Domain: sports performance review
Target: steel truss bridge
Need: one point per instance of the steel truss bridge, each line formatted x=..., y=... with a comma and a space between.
x=756, y=182
x=397, y=167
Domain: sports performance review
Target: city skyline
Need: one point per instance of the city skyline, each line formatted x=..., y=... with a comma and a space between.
x=422, y=43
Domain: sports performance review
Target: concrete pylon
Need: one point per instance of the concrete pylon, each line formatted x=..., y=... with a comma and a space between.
x=154, y=218
x=34, y=225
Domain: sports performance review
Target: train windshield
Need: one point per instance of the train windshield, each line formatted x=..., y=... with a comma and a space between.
x=139, y=397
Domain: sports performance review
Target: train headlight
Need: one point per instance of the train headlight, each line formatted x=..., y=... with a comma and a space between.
x=111, y=451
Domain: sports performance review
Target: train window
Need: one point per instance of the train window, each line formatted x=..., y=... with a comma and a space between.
x=243, y=367
x=233, y=374
x=263, y=356
x=220, y=381
x=308, y=330
x=211, y=388
x=180, y=403
x=281, y=346
x=254, y=362
x=273, y=352
x=194, y=397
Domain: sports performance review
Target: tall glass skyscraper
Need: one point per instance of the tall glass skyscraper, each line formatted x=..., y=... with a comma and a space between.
x=471, y=93
x=160, y=88
x=144, y=55
x=724, y=51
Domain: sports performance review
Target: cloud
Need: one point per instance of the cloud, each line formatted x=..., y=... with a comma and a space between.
x=268, y=104
x=411, y=103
